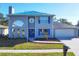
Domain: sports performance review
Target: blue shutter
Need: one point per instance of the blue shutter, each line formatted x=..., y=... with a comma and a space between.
x=39, y=31
x=49, y=19
x=39, y=20
x=48, y=31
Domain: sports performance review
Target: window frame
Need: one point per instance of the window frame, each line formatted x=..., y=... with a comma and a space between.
x=40, y=31
x=43, y=20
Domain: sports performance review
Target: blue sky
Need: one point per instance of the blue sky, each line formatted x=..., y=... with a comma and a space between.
x=61, y=10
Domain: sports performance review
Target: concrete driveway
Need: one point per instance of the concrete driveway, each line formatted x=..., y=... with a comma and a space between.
x=73, y=45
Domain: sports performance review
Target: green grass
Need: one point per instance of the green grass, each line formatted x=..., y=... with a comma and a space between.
x=31, y=45
x=18, y=43
x=37, y=54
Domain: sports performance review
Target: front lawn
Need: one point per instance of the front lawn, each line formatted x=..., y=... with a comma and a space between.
x=37, y=54
x=22, y=44
x=31, y=45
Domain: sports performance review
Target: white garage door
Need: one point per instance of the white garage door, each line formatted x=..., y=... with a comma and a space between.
x=64, y=33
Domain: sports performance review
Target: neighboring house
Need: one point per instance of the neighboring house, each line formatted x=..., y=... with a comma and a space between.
x=34, y=24
x=3, y=30
x=1, y=16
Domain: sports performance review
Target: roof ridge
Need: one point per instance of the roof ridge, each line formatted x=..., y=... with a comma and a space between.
x=31, y=13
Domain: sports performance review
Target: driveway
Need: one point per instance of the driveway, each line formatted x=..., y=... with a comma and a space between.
x=73, y=45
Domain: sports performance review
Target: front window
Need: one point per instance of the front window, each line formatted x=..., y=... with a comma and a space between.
x=44, y=31
x=17, y=26
x=13, y=30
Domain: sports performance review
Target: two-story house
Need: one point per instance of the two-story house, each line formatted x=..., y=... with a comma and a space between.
x=33, y=24
x=30, y=24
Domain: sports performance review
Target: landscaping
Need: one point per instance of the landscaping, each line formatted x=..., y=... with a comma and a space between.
x=17, y=44
x=31, y=45
x=37, y=54
x=22, y=44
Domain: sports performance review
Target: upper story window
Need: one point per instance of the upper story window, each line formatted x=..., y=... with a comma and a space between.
x=44, y=19
x=31, y=19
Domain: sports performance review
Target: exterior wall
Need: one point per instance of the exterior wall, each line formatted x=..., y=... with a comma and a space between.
x=64, y=32
x=25, y=26
x=43, y=26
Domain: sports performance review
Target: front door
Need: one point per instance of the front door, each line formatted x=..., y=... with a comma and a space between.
x=31, y=33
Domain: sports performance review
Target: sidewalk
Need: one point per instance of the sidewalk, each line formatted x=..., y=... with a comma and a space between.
x=49, y=42
x=33, y=51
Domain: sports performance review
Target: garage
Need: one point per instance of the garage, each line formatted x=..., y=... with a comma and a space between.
x=62, y=30
x=65, y=33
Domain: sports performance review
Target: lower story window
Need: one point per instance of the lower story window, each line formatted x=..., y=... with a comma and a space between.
x=44, y=31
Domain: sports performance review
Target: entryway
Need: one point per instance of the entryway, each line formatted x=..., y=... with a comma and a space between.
x=31, y=33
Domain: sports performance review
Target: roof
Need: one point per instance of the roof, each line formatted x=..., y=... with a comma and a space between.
x=59, y=25
x=2, y=26
x=33, y=13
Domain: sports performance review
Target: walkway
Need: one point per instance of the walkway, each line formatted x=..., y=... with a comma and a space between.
x=50, y=42
x=73, y=44
x=33, y=51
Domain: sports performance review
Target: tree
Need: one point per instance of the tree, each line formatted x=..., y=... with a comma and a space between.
x=64, y=21
x=3, y=20
x=1, y=15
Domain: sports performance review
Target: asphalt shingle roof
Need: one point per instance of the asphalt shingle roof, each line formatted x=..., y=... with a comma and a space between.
x=62, y=25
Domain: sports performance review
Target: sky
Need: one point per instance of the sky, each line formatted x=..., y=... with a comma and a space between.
x=69, y=11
